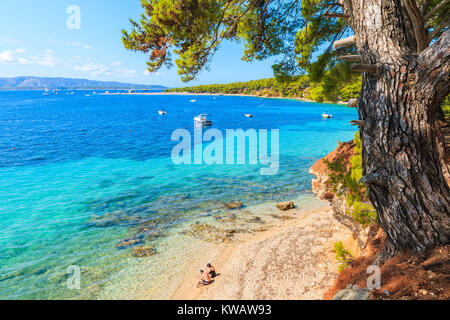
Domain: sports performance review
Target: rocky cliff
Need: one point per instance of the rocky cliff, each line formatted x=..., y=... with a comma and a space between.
x=324, y=191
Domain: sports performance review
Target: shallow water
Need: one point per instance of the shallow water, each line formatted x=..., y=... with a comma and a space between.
x=79, y=174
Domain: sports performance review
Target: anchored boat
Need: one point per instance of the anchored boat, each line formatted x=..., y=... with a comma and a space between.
x=327, y=115
x=202, y=119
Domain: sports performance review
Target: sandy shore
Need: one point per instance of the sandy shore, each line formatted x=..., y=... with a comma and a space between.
x=217, y=95
x=292, y=259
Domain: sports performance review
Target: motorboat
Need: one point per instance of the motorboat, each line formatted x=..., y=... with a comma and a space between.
x=162, y=112
x=248, y=115
x=327, y=115
x=202, y=119
x=193, y=100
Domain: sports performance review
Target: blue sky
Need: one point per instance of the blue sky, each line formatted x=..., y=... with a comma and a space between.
x=35, y=41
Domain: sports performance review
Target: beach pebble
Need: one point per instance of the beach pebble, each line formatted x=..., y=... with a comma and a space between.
x=233, y=205
x=284, y=206
x=130, y=242
x=143, y=252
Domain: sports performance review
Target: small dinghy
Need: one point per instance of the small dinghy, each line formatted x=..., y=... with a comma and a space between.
x=193, y=100
x=327, y=115
x=162, y=112
x=248, y=115
x=202, y=120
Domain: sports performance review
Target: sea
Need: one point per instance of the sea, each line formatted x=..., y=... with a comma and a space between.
x=88, y=178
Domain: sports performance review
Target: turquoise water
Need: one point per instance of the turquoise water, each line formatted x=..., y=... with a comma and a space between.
x=79, y=174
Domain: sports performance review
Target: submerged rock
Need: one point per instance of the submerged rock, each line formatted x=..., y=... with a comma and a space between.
x=256, y=220
x=208, y=232
x=144, y=252
x=150, y=233
x=226, y=218
x=139, y=239
x=277, y=216
x=113, y=219
x=233, y=205
x=285, y=206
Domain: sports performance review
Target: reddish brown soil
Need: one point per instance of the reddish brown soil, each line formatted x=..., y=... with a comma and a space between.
x=344, y=151
x=404, y=277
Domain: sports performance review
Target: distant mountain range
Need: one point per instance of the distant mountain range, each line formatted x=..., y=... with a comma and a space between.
x=67, y=83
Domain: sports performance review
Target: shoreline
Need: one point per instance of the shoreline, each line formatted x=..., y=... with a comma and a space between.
x=221, y=94
x=291, y=259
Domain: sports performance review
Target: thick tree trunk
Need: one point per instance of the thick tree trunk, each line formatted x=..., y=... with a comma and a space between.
x=403, y=147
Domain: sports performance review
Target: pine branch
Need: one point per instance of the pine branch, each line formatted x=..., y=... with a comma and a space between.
x=438, y=29
x=436, y=9
x=418, y=24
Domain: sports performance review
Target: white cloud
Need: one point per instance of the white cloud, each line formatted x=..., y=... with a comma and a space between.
x=117, y=63
x=48, y=60
x=9, y=57
x=82, y=45
x=127, y=73
x=152, y=74
x=16, y=57
x=95, y=69
x=10, y=40
x=72, y=44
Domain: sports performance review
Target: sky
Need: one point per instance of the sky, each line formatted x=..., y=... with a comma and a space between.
x=43, y=38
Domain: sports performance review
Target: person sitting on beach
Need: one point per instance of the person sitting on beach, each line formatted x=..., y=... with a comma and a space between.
x=205, y=279
x=211, y=270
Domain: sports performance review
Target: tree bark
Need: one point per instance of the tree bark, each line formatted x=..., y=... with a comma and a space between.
x=403, y=147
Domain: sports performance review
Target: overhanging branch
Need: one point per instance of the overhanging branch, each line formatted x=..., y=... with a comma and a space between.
x=418, y=24
x=436, y=9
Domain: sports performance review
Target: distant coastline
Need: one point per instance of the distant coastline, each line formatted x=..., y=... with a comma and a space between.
x=42, y=83
x=171, y=93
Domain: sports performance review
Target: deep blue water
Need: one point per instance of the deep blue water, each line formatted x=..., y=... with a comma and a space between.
x=77, y=172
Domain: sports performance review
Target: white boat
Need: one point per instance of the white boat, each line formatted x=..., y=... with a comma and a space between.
x=326, y=115
x=193, y=100
x=202, y=119
x=248, y=115
x=162, y=112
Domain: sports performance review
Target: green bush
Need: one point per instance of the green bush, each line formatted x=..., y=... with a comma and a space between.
x=446, y=107
x=345, y=183
x=337, y=83
x=342, y=255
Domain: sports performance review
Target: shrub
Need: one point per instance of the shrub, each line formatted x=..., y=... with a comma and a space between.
x=342, y=255
x=346, y=183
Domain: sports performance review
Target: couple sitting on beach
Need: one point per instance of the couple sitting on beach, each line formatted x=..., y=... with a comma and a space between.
x=206, y=276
